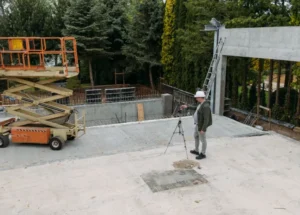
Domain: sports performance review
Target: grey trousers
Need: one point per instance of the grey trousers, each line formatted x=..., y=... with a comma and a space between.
x=200, y=137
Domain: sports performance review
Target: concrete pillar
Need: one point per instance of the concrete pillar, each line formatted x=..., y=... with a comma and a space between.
x=167, y=101
x=220, y=86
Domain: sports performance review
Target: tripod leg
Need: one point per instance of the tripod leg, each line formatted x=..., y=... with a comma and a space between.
x=177, y=126
x=182, y=133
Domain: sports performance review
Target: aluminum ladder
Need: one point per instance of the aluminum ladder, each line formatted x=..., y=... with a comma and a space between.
x=212, y=71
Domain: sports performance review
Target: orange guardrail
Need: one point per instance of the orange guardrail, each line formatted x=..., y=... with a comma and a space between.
x=38, y=53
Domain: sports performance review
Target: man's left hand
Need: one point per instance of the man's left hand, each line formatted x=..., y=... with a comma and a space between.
x=202, y=132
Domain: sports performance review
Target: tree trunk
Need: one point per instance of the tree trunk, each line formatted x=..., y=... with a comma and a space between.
x=278, y=83
x=271, y=83
x=298, y=105
x=235, y=87
x=288, y=94
x=91, y=73
x=287, y=75
x=151, y=78
x=260, y=71
x=245, y=89
x=228, y=86
x=283, y=4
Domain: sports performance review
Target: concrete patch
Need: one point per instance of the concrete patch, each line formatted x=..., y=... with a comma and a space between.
x=186, y=164
x=161, y=181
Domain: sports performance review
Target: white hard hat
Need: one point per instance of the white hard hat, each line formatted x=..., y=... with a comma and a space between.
x=200, y=94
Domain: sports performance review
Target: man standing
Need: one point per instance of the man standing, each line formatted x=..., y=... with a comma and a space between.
x=202, y=120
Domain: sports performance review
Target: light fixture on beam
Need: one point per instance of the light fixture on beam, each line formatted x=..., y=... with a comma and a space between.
x=215, y=22
x=210, y=28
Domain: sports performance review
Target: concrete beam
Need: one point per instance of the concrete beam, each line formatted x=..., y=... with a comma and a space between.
x=278, y=43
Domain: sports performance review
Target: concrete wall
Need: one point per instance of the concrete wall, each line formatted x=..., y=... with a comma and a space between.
x=110, y=113
x=278, y=43
x=122, y=112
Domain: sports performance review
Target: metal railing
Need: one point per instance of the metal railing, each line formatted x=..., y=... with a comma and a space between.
x=179, y=97
x=92, y=96
x=120, y=94
x=253, y=117
x=38, y=53
x=178, y=94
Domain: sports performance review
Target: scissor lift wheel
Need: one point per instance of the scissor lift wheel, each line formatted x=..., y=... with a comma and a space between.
x=56, y=143
x=4, y=141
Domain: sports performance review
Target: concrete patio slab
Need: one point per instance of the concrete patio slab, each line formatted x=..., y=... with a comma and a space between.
x=246, y=176
x=112, y=139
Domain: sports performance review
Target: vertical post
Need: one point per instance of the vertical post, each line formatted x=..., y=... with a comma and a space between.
x=220, y=86
x=75, y=55
x=24, y=61
x=1, y=60
x=213, y=87
x=27, y=51
x=19, y=59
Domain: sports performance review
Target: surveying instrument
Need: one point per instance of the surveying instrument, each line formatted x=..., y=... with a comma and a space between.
x=180, y=131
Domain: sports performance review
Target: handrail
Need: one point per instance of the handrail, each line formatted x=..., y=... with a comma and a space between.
x=17, y=53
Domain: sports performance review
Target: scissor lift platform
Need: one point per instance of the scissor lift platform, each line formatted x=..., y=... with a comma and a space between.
x=34, y=63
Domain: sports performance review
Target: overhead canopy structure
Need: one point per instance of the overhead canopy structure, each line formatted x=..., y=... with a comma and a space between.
x=278, y=43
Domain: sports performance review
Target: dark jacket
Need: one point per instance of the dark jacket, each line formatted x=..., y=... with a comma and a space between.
x=204, y=116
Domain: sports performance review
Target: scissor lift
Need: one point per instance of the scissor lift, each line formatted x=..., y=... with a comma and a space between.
x=34, y=64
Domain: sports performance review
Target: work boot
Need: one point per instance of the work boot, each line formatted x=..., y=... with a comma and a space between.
x=194, y=152
x=201, y=156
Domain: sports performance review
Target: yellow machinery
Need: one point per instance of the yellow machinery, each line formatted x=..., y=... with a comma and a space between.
x=32, y=65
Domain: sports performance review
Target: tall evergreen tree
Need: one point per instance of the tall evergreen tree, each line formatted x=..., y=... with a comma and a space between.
x=196, y=46
x=168, y=37
x=144, y=37
x=55, y=22
x=175, y=75
x=116, y=31
x=26, y=18
x=86, y=21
